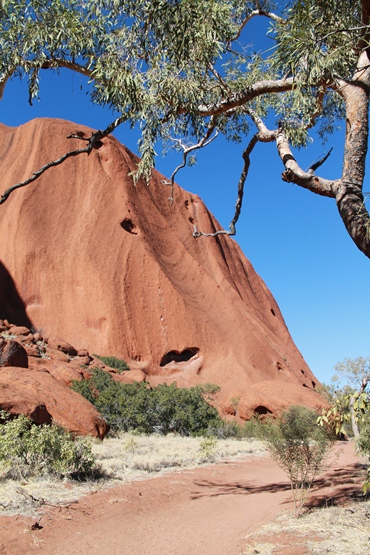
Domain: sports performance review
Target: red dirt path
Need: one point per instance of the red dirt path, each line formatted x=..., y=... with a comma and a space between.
x=204, y=511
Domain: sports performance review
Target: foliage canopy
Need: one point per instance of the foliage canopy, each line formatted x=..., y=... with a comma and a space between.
x=185, y=72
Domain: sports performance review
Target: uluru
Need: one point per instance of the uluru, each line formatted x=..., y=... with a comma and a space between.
x=113, y=267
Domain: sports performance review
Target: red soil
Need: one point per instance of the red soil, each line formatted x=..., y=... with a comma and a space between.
x=204, y=511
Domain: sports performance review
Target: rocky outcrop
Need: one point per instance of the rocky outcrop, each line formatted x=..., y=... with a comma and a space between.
x=115, y=269
x=35, y=382
x=13, y=354
x=40, y=396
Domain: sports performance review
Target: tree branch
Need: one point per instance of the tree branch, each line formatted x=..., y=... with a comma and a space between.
x=3, y=83
x=253, y=14
x=295, y=174
x=53, y=63
x=349, y=195
x=320, y=162
x=263, y=135
x=94, y=142
x=241, y=98
x=205, y=141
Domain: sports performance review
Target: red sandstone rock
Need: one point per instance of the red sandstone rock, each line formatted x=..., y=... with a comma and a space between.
x=136, y=284
x=83, y=353
x=58, y=355
x=62, y=371
x=32, y=351
x=61, y=345
x=80, y=361
x=30, y=391
x=19, y=330
x=13, y=353
x=130, y=377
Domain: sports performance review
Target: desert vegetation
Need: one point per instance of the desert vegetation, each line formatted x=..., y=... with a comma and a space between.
x=30, y=450
x=120, y=458
x=300, y=447
x=154, y=432
x=162, y=409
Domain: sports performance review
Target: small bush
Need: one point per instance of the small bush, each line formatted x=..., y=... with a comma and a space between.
x=28, y=449
x=363, y=447
x=226, y=429
x=114, y=362
x=207, y=448
x=299, y=446
x=162, y=409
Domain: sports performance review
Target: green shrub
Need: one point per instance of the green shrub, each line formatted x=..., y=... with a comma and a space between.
x=363, y=447
x=207, y=448
x=114, y=362
x=226, y=429
x=299, y=446
x=162, y=409
x=28, y=449
x=250, y=427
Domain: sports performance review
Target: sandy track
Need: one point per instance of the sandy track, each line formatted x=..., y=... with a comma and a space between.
x=204, y=511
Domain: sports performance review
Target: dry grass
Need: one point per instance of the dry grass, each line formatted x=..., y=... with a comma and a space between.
x=329, y=531
x=122, y=459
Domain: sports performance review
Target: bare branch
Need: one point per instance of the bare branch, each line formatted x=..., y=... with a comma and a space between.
x=263, y=135
x=320, y=162
x=197, y=233
x=205, y=141
x=53, y=63
x=241, y=98
x=295, y=174
x=222, y=82
x=43, y=169
x=94, y=141
x=239, y=201
x=253, y=14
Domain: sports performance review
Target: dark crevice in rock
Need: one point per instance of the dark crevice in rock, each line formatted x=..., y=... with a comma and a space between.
x=129, y=226
x=261, y=410
x=176, y=356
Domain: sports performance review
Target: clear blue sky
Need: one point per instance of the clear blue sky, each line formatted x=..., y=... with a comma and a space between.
x=295, y=239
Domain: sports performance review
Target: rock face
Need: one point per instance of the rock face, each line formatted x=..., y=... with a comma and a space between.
x=113, y=268
x=41, y=397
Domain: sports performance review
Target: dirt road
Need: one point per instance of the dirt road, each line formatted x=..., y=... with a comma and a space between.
x=204, y=511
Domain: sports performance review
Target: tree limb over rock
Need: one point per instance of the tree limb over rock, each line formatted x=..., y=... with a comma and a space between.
x=180, y=69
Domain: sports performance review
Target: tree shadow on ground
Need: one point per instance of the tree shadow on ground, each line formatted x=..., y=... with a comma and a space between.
x=338, y=486
x=334, y=487
x=12, y=307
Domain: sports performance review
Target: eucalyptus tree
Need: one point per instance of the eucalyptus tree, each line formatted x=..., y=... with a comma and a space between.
x=185, y=72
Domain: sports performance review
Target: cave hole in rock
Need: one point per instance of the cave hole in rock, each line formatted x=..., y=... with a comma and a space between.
x=129, y=226
x=261, y=410
x=313, y=384
x=272, y=311
x=179, y=356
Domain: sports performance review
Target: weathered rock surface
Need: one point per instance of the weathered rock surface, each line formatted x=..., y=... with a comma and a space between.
x=13, y=353
x=115, y=269
x=40, y=396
